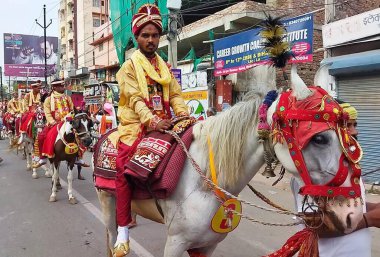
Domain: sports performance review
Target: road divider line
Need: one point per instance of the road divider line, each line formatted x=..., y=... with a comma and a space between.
x=138, y=249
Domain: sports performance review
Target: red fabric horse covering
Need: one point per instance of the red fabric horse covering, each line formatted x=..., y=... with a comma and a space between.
x=163, y=181
x=49, y=141
x=26, y=123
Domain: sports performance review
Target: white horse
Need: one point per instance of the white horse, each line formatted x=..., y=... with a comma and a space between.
x=72, y=133
x=238, y=157
x=29, y=145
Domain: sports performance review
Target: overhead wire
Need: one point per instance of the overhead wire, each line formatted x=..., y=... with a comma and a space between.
x=183, y=32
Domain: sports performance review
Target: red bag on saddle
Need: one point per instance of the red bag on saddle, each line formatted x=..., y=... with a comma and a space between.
x=153, y=148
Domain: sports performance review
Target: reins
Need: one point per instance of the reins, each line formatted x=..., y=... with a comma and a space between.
x=215, y=188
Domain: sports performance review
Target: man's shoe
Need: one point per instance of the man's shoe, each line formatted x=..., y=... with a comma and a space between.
x=121, y=250
x=21, y=138
x=39, y=163
x=81, y=163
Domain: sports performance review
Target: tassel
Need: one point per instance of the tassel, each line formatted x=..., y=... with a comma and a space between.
x=103, y=125
x=305, y=242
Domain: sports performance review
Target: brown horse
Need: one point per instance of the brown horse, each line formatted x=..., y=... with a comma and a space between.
x=72, y=134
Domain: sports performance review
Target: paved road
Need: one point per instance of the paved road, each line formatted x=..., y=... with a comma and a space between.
x=31, y=226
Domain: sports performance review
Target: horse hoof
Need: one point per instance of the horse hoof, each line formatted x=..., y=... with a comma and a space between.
x=34, y=175
x=52, y=199
x=48, y=175
x=73, y=200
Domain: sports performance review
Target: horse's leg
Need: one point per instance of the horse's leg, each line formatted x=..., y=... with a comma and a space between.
x=53, y=196
x=48, y=172
x=24, y=154
x=175, y=246
x=28, y=157
x=72, y=199
x=108, y=205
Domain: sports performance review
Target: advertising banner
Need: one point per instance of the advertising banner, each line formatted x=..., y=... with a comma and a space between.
x=24, y=55
x=243, y=51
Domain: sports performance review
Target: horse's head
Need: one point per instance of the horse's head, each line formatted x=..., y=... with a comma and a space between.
x=81, y=125
x=312, y=142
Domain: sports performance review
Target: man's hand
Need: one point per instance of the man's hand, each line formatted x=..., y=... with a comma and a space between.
x=164, y=125
x=26, y=51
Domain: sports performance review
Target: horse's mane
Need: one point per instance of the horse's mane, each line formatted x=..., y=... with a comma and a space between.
x=228, y=132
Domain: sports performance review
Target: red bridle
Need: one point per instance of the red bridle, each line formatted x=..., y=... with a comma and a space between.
x=327, y=114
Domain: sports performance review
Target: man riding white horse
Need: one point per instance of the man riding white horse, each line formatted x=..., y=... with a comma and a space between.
x=147, y=91
x=56, y=107
x=15, y=110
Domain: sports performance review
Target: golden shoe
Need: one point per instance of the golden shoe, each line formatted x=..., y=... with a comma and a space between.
x=121, y=249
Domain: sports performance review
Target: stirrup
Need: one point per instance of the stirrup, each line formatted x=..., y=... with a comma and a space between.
x=39, y=164
x=121, y=249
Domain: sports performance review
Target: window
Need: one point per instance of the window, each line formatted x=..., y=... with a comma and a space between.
x=96, y=3
x=102, y=22
x=102, y=3
x=100, y=47
x=96, y=22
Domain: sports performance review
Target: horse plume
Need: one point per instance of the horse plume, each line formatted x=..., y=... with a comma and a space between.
x=274, y=34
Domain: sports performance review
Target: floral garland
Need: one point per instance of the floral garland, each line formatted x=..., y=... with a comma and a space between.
x=263, y=127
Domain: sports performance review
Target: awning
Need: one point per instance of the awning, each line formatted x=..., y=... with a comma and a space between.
x=354, y=63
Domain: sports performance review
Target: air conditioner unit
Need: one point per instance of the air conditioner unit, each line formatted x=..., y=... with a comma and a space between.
x=174, y=4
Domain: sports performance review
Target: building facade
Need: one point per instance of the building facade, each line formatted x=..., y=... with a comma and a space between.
x=106, y=62
x=78, y=21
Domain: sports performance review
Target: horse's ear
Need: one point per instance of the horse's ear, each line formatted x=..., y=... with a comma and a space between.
x=300, y=90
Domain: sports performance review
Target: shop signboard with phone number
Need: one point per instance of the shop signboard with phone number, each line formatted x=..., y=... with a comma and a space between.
x=244, y=50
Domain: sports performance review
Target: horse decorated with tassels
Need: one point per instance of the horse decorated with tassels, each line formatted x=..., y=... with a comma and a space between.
x=306, y=130
x=73, y=133
x=30, y=143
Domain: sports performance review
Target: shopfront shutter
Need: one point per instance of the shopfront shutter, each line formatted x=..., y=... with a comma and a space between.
x=363, y=92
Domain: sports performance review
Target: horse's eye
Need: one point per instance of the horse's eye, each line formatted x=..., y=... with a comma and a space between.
x=320, y=139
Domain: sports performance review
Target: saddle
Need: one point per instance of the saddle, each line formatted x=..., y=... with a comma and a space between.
x=155, y=167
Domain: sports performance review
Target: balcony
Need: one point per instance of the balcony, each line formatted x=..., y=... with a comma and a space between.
x=70, y=35
x=70, y=16
x=62, y=7
x=70, y=54
x=63, y=50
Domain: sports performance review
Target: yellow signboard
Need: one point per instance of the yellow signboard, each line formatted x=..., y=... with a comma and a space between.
x=199, y=95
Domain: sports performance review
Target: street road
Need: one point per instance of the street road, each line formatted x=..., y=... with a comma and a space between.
x=31, y=226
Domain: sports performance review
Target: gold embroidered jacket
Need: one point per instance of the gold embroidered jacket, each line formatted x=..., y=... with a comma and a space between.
x=133, y=111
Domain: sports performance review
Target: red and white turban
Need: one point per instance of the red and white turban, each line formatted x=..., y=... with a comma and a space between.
x=148, y=13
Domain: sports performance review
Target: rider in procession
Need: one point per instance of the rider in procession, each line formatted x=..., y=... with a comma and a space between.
x=31, y=101
x=56, y=107
x=15, y=108
x=147, y=91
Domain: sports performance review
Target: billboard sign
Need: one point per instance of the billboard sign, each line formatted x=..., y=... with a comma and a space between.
x=243, y=51
x=24, y=55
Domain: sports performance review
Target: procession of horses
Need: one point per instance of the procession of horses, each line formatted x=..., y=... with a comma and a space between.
x=194, y=186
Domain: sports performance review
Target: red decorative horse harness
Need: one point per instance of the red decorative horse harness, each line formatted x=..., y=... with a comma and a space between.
x=296, y=124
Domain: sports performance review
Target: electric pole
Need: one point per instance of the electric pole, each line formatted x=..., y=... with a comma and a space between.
x=1, y=83
x=329, y=17
x=173, y=6
x=44, y=28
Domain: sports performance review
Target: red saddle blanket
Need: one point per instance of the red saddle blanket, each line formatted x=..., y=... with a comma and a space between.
x=159, y=182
